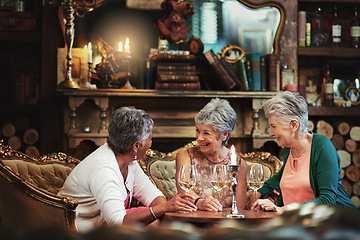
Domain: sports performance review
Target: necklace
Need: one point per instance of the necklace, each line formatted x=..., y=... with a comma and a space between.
x=225, y=158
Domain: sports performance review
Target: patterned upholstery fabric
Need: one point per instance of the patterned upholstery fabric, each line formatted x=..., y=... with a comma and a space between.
x=49, y=177
x=28, y=191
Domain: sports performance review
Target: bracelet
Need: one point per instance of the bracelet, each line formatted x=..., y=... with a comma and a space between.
x=196, y=200
x=152, y=213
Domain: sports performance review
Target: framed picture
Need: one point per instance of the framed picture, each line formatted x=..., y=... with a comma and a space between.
x=232, y=53
x=79, y=64
x=255, y=40
x=353, y=95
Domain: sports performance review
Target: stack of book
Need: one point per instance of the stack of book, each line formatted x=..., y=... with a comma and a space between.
x=175, y=71
x=220, y=75
x=176, y=76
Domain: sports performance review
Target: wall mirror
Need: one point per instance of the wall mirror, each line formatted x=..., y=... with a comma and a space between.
x=253, y=27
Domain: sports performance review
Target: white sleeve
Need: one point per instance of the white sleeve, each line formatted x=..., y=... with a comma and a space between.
x=144, y=190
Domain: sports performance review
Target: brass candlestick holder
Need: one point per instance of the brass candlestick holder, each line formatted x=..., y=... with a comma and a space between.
x=234, y=213
x=127, y=84
x=89, y=73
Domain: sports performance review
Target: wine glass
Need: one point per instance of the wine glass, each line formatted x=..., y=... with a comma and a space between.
x=219, y=177
x=187, y=177
x=255, y=176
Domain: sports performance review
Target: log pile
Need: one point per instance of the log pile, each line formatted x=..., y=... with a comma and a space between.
x=21, y=136
x=346, y=139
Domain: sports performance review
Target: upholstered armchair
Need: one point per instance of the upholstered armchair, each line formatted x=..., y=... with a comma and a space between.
x=161, y=168
x=28, y=191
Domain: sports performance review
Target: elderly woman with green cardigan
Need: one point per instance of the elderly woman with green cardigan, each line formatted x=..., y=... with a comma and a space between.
x=311, y=169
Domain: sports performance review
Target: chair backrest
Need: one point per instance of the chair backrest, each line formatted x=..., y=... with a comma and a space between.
x=28, y=191
x=161, y=167
x=271, y=163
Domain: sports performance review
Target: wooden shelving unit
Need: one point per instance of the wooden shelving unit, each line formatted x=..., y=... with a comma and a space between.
x=334, y=111
x=329, y=52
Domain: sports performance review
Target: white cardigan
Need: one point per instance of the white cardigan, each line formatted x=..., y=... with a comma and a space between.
x=98, y=185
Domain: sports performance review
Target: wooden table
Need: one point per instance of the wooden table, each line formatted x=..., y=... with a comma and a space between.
x=205, y=218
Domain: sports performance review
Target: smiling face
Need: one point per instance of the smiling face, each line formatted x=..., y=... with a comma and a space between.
x=208, y=138
x=283, y=135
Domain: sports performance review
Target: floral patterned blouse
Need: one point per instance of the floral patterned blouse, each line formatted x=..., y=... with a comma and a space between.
x=204, y=169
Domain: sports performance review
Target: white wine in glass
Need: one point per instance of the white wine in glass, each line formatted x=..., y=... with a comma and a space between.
x=255, y=176
x=219, y=178
x=187, y=177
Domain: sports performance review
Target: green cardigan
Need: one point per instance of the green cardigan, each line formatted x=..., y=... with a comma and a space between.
x=325, y=178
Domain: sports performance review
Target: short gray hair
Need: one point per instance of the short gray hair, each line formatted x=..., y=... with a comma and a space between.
x=127, y=126
x=220, y=115
x=288, y=106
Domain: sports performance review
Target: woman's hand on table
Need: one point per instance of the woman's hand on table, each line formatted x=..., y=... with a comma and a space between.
x=266, y=205
x=182, y=202
x=209, y=203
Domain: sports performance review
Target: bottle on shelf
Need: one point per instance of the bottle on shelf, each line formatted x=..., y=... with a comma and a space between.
x=319, y=34
x=335, y=28
x=302, y=28
x=308, y=30
x=327, y=88
x=355, y=29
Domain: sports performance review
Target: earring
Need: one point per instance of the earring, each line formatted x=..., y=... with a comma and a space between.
x=135, y=157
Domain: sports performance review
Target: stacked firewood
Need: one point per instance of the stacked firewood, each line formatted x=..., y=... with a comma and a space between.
x=21, y=136
x=346, y=139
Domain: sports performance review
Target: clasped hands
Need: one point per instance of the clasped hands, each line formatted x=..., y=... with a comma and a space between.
x=185, y=202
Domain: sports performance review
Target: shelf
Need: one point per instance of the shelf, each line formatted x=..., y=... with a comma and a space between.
x=329, y=52
x=164, y=94
x=334, y=111
x=20, y=36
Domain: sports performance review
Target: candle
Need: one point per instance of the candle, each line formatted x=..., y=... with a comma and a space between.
x=90, y=52
x=233, y=157
x=120, y=48
x=127, y=45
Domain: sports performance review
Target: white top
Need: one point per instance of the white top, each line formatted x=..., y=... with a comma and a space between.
x=98, y=185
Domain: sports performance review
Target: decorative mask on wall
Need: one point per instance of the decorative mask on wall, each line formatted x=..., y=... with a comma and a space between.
x=172, y=26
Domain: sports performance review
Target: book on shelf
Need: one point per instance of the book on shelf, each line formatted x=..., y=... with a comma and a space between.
x=254, y=59
x=271, y=66
x=174, y=57
x=191, y=86
x=263, y=73
x=208, y=82
x=175, y=66
x=232, y=74
x=249, y=73
x=150, y=73
x=278, y=74
x=175, y=72
x=223, y=73
x=177, y=78
x=240, y=70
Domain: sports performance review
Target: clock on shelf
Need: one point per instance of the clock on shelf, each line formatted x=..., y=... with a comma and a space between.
x=195, y=46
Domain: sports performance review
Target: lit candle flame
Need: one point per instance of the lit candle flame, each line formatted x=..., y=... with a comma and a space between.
x=90, y=52
x=120, y=48
x=127, y=45
x=233, y=156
